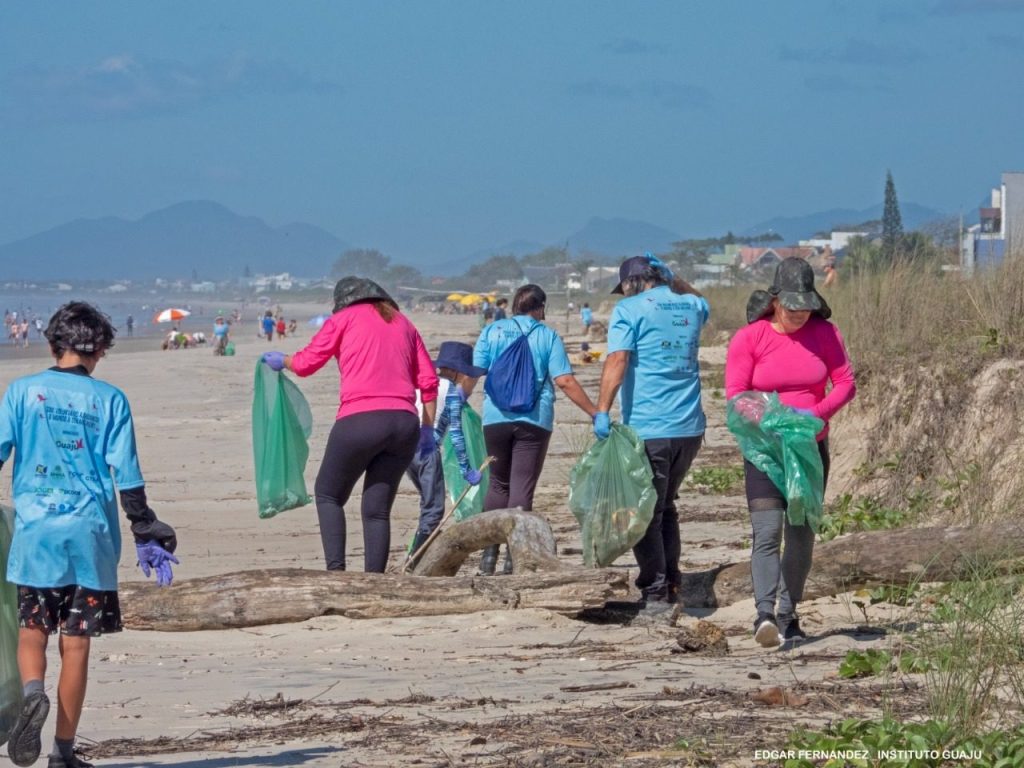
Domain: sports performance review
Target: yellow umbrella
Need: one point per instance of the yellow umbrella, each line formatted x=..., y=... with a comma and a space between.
x=471, y=298
x=454, y=297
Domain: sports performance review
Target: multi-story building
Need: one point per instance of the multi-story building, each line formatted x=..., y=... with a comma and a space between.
x=1000, y=230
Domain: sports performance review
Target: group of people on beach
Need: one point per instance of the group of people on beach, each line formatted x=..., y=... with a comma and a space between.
x=73, y=442
x=17, y=325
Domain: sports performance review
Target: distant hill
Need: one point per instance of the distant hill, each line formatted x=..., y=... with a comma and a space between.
x=458, y=266
x=619, y=237
x=793, y=228
x=196, y=237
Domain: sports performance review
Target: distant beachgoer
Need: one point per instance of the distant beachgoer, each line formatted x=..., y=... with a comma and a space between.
x=587, y=317
x=282, y=328
x=293, y=327
x=39, y=326
x=130, y=325
x=500, y=313
x=267, y=324
x=23, y=330
x=220, y=335
x=831, y=276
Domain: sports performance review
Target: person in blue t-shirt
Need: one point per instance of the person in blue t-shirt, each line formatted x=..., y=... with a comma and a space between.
x=221, y=334
x=519, y=441
x=653, y=339
x=69, y=432
x=587, y=318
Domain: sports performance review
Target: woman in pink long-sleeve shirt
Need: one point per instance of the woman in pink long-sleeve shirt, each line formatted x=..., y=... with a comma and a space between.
x=383, y=361
x=791, y=348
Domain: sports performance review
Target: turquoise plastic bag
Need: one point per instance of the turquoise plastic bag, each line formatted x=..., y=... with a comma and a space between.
x=611, y=493
x=781, y=443
x=476, y=450
x=281, y=426
x=10, y=678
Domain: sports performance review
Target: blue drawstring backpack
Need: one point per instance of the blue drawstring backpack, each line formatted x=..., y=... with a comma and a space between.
x=511, y=380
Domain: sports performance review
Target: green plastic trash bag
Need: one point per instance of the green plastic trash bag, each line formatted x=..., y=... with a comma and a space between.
x=281, y=425
x=781, y=443
x=476, y=450
x=10, y=678
x=611, y=493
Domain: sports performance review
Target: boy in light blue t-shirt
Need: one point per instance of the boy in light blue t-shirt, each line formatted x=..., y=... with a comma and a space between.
x=69, y=432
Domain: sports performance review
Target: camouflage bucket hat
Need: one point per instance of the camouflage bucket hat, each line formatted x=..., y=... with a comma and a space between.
x=793, y=285
x=351, y=290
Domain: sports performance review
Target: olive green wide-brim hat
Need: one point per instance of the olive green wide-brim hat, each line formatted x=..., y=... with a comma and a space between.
x=793, y=286
x=352, y=290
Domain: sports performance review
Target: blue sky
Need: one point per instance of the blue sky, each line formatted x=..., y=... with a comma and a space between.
x=433, y=129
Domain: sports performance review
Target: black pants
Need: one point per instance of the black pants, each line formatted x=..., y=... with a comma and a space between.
x=519, y=449
x=657, y=553
x=381, y=444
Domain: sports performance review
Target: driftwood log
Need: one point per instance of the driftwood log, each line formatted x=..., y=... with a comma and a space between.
x=251, y=598
x=530, y=543
x=875, y=558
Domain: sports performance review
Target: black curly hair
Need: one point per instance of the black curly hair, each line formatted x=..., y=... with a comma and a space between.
x=79, y=327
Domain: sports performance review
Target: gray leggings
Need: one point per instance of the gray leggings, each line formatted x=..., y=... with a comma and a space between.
x=778, y=579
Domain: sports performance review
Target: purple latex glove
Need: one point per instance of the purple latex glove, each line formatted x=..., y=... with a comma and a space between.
x=473, y=476
x=274, y=359
x=153, y=557
x=428, y=442
x=805, y=412
x=602, y=425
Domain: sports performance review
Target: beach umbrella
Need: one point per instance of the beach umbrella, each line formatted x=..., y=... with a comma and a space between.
x=470, y=299
x=454, y=297
x=172, y=315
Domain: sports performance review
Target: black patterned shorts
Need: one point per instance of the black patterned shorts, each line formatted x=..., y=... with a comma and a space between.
x=71, y=610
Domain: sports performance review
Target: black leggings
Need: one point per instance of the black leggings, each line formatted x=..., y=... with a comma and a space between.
x=519, y=449
x=381, y=444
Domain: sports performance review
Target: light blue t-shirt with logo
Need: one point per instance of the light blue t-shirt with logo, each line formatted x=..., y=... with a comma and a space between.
x=660, y=394
x=67, y=431
x=549, y=362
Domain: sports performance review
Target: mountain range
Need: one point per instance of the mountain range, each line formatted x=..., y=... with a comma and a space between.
x=196, y=238
x=207, y=241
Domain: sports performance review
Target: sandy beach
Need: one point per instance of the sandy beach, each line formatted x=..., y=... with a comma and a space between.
x=492, y=688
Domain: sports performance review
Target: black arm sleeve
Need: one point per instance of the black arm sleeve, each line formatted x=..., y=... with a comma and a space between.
x=133, y=501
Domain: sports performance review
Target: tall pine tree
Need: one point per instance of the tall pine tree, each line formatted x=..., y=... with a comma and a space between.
x=892, y=223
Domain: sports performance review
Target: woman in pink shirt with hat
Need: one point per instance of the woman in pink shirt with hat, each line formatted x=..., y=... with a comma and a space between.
x=382, y=361
x=788, y=346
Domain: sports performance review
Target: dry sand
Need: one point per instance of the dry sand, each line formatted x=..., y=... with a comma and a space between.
x=483, y=689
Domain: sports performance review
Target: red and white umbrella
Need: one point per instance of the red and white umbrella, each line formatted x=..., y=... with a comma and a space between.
x=171, y=315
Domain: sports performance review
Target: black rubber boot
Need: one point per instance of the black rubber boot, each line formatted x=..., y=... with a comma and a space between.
x=488, y=560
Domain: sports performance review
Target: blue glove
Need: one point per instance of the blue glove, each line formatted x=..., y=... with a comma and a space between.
x=472, y=476
x=428, y=442
x=154, y=557
x=805, y=412
x=274, y=359
x=602, y=425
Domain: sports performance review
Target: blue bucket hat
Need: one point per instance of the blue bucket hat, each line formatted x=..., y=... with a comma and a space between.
x=459, y=357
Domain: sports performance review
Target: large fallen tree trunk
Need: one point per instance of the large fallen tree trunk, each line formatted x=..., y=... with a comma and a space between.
x=250, y=598
x=278, y=596
x=875, y=558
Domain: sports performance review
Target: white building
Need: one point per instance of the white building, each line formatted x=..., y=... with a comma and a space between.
x=1001, y=227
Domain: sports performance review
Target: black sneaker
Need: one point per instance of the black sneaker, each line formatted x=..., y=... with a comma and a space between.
x=791, y=629
x=766, y=631
x=24, y=744
x=56, y=761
